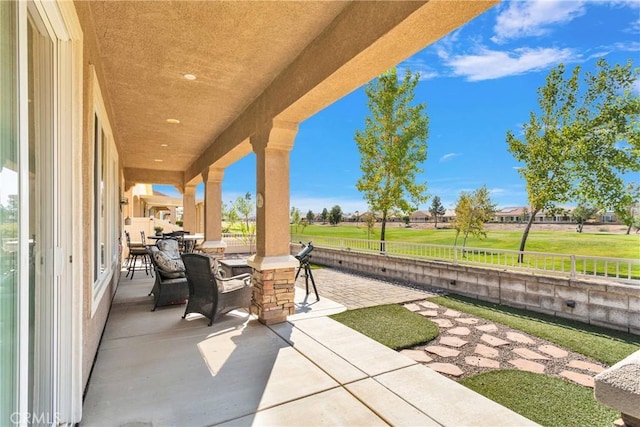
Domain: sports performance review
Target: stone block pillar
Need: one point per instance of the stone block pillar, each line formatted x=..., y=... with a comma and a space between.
x=273, y=266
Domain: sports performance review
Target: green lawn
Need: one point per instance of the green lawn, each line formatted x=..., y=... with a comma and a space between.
x=545, y=400
x=391, y=325
x=589, y=244
x=605, y=345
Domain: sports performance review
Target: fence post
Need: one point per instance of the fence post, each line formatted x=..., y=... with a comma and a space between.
x=455, y=255
x=573, y=267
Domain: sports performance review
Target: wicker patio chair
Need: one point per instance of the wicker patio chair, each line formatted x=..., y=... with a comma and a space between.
x=170, y=286
x=210, y=294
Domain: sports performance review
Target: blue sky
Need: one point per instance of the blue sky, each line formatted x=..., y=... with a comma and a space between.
x=478, y=82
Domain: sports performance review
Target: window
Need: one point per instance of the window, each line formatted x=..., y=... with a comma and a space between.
x=106, y=201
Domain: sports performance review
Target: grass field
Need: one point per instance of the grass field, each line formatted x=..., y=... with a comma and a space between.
x=561, y=242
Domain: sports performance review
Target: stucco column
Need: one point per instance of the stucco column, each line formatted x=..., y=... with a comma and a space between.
x=273, y=265
x=189, y=208
x=213, y=244
x=172, y=214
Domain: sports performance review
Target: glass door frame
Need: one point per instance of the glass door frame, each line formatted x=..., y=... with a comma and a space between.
x=59, y=346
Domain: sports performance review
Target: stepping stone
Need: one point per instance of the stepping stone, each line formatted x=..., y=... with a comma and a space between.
x=452, y=341
x=481, y=362
x=460, y=330
x=529, y=354
x=446, y=368
x=427, y=304
x=452, y=313
x=429, y=313
x=442, y=351
x=582, y=379
x=518, y=337
x=487, y=328
x=443, y=323
x=417, y=355
x=586, y=366
x=494, y=341
x=528, y=365
x=412, y=307
x=553, y=351
x=485, y=351
x=468, y=321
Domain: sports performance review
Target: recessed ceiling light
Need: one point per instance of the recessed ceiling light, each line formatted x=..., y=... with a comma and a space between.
x=173, y=121
x=164, y=145
x=189, y=76
x=158, y=160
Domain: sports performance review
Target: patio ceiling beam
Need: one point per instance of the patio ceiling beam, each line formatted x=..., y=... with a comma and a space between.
x=134, y=176
x=366, y=39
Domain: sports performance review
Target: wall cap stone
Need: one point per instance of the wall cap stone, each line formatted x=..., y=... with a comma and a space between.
x=619, y=385
x=261, y=263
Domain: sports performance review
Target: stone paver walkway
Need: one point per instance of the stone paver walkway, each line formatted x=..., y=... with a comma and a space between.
x=467, y=345
x=481, y=345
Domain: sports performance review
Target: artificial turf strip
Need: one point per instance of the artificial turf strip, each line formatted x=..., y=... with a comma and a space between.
x=546, y=400
x=391, y=325
x=607, y=346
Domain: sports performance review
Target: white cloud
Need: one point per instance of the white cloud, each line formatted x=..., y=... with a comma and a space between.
x=492, y=64
x=534, y=18
x=448, y=156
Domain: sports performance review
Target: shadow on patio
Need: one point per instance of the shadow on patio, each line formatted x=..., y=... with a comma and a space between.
x=154, y=368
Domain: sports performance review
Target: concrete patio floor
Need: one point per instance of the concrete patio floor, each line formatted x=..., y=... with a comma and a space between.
x=157, y=369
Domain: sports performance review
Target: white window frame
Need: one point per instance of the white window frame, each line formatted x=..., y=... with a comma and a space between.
x=109, y=159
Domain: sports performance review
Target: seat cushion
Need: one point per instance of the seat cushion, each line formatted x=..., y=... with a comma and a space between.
x=231, y=285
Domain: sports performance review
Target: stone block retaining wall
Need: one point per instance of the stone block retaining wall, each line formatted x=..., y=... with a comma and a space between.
x=609, y=304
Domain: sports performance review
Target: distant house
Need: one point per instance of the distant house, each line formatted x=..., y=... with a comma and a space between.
x=512, y=214
x=420, y=216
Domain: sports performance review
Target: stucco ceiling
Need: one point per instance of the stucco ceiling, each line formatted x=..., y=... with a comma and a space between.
x=254, y=59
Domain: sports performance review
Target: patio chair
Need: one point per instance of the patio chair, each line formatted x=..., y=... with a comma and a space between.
x=137, y=252
x=210, y=294
x=170, y=286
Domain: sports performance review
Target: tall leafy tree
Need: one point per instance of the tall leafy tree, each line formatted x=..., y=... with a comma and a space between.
x=582, y=141
x=335, y=216
x=581, y=214
x=436, y=210
x=392, y=146
x=324, y=215
x=473, y=211
x=310, y=216
x=296, y=217
x=629, y=210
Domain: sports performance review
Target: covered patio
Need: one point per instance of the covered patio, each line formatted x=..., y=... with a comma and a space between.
x=154, y=368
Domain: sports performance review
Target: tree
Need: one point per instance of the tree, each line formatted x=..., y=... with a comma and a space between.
x=324, y=215
x=436, y=210
x=581, y=214
x=310, y=216
x=583, y=140
x=392, y=146
x=629, y=210
x=472, y=212
x=242, y=208
x=296, y=218
x=335, y=216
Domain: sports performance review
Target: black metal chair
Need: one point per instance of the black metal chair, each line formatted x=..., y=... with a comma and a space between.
x=137, y=252
x=210, y=294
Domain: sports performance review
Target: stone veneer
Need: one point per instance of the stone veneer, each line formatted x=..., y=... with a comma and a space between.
x=605, y=303
x=273, y=295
